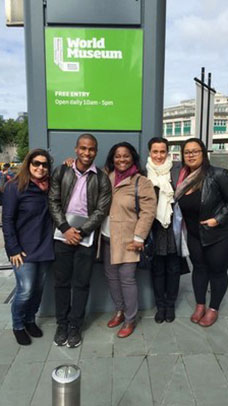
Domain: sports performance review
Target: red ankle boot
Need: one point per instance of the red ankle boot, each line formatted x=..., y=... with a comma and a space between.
x=209, y=318
x=116, y=320
x=126, y=330
x=199, y=312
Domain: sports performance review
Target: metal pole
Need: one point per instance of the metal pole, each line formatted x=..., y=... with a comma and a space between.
x=66, y=380
x=202, y=99
x=208, y=109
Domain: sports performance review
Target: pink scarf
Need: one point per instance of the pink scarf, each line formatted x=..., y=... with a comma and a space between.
x=186, y=181
x=119, y=176
x=42, y=183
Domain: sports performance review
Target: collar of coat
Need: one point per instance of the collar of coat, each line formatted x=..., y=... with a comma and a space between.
x=126, y=181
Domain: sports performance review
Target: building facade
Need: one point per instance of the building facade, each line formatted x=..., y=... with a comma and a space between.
x=179, y=124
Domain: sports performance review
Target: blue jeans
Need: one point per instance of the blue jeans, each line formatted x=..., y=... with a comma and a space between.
x=30, y=278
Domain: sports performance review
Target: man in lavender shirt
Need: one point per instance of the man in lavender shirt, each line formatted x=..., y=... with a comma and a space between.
x=85, y=191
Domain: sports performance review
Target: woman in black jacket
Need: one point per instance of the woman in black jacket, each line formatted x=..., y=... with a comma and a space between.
x=27, y=229
x=202, y=194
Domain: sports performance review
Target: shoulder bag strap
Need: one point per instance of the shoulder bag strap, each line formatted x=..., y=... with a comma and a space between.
x=137, y=196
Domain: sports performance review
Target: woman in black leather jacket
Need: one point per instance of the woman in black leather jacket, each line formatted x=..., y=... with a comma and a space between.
x=202, y=194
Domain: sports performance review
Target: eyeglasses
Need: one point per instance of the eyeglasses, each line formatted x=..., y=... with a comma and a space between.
x=36, y=164
x=195, y=152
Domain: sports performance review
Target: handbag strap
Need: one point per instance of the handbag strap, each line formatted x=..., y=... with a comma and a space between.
x=137, y=209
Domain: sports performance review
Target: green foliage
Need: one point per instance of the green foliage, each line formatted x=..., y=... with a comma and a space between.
x=13, y=132
x=22, y=140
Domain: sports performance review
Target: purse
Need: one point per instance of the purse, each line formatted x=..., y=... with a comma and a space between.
x=146, y=256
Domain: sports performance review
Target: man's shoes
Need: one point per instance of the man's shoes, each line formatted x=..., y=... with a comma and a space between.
x=74, y=337
x=33, y=330
x=22, y=337
x=170, y=314
x=199, y=312
x=160, y=315
x=61, y=335
x=126, y=330
x=116, y=320
x=209, y=318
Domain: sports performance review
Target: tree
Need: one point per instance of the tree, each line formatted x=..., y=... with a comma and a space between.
x=22, y=140
x=10, y=131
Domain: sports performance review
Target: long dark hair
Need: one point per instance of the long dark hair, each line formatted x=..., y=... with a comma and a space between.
x=205, y=163
x=109, y=164
x=23, y=176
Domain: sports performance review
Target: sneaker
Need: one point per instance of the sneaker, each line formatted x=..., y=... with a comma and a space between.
x=33, y=330
x=61, y=335
x=22, y=337
x=170, y=314
x=74, y=338
x=160, y=315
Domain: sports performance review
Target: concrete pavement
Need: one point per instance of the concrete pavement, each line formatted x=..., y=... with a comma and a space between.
x=177, y=364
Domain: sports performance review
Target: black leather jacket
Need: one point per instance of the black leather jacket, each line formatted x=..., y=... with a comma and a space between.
x=214, y=204
x=99, y=194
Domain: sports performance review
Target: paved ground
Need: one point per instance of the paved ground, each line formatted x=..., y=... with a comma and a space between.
x=177, y=364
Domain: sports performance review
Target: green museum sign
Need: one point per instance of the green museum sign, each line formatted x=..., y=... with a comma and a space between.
x=94, y=78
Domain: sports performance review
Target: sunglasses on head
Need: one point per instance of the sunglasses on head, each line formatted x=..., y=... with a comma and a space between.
x=36, y=164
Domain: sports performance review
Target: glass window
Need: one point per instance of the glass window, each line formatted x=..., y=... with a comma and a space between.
x=169, y=128
x=219, y=126
x=177, y=129
x=187, y=127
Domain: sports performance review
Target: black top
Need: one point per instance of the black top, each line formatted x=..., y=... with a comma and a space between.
x=164, y=241
x=190, y=207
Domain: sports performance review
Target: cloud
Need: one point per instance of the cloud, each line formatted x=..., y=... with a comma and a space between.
x=12, y=69
x=196, y=36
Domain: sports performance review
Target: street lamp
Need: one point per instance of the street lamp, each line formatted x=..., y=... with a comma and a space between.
x=14, y=13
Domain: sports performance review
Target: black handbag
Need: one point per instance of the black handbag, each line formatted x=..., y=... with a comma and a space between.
x=146, y=256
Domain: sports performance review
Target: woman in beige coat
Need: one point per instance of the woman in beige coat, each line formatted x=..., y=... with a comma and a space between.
x=123, y=232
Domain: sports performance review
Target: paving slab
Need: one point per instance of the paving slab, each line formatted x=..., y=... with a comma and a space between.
x=43, y=391
x=124, y=372
x=161, y=370
x=96, y=383
x=191, y=338
x=96, y=350
x=178, y=391
x=8, y=347
x=5, y=312
x=223, y=362
x=139, y=391
x=3, y=372
x=164, y=342
x=207, y=380
x=64, y=354
x=134, y=345
x=20, y=383
x=217, y=336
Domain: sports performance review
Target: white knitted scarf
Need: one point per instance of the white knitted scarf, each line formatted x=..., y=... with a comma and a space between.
x=160, y=177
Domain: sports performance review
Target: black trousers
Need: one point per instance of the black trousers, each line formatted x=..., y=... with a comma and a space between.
x=209, y=265
x=166, y=278
x=72, y=268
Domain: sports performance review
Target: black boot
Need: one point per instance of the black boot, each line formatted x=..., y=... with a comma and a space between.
x=170, y=314
x=33, y=330
x=22, y=337
x=160, y=315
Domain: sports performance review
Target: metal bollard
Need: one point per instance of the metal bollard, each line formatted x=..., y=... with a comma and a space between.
x=66, y=381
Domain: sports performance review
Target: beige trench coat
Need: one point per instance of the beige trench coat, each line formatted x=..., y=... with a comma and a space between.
x=124, y=223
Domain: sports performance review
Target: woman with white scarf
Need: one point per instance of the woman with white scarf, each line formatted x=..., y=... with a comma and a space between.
x=166, y=264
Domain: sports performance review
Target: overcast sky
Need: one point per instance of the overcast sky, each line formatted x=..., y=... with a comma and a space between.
x=196, y=36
